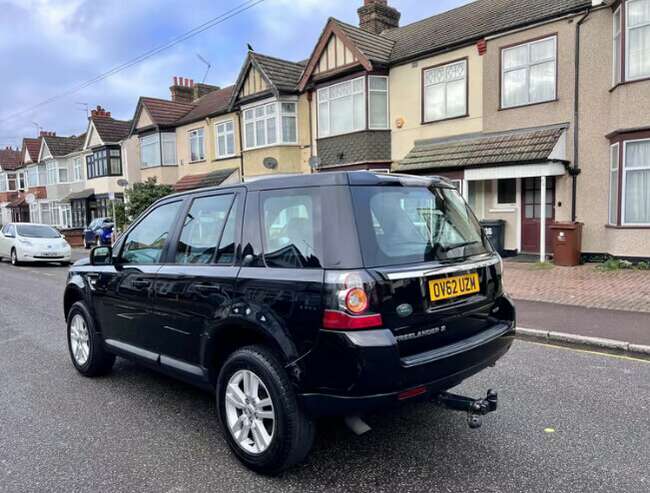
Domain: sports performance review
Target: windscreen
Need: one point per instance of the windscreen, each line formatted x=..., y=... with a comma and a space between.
x=407, y=225
x=36, y=231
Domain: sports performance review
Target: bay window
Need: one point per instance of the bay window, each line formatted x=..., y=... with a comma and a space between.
x=32, y=177
x=617, y=46
x=637, y=38
x=528, y=73
x=158, y=149
x=168, y=148
x=613, y=183
x=51, y=173
x=445, y=91
x=270, y=124
x=197, y=147
x=225, y=133
x=3, y=182
x=106, y=161
x=342, y=108
x=77, y=173
x=377, y=102
x=636, y=182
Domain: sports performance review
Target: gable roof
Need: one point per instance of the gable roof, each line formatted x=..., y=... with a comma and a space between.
x=163, y=113
x=472, y=22
x=280, y=75
x=212, y=104
x=523, y=146
x=375, y=47
x=9, y=159
x=31, y=146
x=62, y=146
x=111, y=130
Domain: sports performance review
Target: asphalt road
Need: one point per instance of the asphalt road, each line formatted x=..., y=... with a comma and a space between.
x=138, y=431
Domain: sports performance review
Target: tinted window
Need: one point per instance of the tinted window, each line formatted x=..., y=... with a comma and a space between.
x=400, y=225
x=291, y=229
x=202, y=229
x=507, y=191
x=226, y=252
x=33, y=231
x=145, y=242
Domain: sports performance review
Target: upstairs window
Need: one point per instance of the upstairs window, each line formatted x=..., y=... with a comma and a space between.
x=637, y=36
x=445, y=91
x=77, y=172
x=106, y=161
x=3, y=182
x=270, y=124
x=617, y=46
x=225, y=133
x=150, y=151
x=197, y=147
x=342, y=108
x=32, y=177
x=529, y=73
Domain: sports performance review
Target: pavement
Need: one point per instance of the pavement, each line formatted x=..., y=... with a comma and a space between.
x=568, y=421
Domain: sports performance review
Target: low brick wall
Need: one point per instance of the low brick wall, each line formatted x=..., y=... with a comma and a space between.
x=74, y=236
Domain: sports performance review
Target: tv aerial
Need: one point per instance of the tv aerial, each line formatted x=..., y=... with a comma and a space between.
x=207, y=64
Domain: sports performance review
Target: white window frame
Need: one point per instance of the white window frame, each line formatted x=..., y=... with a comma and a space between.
x=33, y=170
x=196, y=133
x=444, y=83
x=324, y=98
x=614, y=150
x=624, y=171
x=170, y=138
x=617, y=56
x=77, y=169
x=528, y=66
x=152, y=140
x=4, y=182
x=249, y=116
x=51, y=168
x=220, y=128
x=646, y=25
x=381, y=91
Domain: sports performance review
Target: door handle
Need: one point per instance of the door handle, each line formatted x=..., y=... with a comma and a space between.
x=141, y=284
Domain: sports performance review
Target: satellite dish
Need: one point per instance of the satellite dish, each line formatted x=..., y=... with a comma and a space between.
x=30, y=198
x=314, y=163
x=122, y=183
x=270, y=163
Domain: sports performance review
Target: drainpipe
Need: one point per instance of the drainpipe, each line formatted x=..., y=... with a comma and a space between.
x=574, y=171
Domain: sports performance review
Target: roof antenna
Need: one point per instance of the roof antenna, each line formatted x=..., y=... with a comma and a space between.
x=38, y=128
x=208, y=67
x=85, y=108
x=250, y=48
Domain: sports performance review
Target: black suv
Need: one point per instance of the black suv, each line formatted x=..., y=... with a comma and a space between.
x=298, y=297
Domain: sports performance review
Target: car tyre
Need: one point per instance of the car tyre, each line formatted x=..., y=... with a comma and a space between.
x=291, y=431
x=14, y=258
x=85, y=346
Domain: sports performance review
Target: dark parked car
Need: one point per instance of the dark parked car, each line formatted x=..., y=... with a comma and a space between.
x=299, y=297
x=92, y=233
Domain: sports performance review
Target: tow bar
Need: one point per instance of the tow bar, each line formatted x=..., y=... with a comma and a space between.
x=475, y=408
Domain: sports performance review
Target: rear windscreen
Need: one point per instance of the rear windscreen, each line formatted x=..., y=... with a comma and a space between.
x=405, y=225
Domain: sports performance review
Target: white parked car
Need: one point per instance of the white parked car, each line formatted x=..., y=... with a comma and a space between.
x=26, y=242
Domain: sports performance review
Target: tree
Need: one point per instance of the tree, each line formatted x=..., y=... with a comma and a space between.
x=138, y=199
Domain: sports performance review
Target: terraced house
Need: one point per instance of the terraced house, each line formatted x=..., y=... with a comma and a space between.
x=11, y=182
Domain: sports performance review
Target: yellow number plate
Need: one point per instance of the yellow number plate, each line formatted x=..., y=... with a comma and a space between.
x=452, y=287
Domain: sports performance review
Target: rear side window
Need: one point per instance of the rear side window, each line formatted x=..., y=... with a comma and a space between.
x=202, y=229
x=404, y=225
x=291, y=228
x=146, y=241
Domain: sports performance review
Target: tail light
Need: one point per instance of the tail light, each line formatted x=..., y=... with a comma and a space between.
x=349, y=299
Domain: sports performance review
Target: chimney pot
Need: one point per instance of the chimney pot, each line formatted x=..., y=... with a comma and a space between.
x=376, y=16
x=175, y=81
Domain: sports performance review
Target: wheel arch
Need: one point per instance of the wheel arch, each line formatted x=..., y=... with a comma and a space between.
x=72, y=295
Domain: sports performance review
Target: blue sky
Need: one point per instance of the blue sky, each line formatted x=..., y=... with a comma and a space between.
x=49, y=46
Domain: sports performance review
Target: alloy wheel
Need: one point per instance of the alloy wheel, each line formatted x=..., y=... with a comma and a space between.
x=14, y=258
x=249, y=412
x=79, y=340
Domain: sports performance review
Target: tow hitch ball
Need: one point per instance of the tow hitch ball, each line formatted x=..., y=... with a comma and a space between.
x=475, y=408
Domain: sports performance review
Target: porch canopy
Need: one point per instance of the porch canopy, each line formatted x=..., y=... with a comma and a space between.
x=83, y=195
x=522, y=153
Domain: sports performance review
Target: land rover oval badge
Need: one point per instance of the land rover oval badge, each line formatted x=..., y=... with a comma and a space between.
x=404, y=310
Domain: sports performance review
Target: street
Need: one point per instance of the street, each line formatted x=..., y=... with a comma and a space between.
x=568, y=420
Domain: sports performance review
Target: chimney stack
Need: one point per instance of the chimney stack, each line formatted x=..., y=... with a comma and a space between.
x=44, y=133
x=100, y=112
x=376, y=16
x=182, y=90
x=201, y=90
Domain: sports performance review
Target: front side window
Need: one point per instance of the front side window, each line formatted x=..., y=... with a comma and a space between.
x=613, y=183
x=168, y=148
x=405, y=225
x=150, y=150
x=617, y=46
x=377, y=102
x=342, y=108
x=637, y=35
x=225, y=139
x=445, y=91
x=291, y=229
x=529, y=73
x=202, y=229
x=636, y=182
x=146, y=241
x=197, y=148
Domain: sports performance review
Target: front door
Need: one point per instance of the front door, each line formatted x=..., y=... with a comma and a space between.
x=531, y=212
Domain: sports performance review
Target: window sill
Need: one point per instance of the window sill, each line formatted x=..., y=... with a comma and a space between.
x=627, y=82
x=197, y=161
x=627, y=226
x=284, y=144
x=353, y=133
x=504, y=208
x=144, y=168
x=424, y=122
x=226, y=158
x=505, y=108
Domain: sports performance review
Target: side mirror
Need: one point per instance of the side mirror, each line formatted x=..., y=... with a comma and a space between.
x=101, y=255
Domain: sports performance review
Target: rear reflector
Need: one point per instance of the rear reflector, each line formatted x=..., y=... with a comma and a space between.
x=342, y=321
x=408, y=394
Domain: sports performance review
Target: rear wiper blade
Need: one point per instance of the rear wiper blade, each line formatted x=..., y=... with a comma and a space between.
x=457, y=245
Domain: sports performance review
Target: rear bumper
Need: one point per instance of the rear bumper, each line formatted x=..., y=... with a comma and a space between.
x=382, y=376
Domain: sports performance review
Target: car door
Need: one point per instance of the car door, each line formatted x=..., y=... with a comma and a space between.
x=4, y=241
x=122, y=291
x=194, y=288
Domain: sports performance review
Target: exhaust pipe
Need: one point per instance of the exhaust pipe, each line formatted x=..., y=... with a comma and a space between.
x=357, y=425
